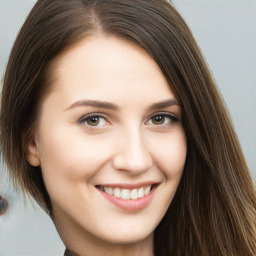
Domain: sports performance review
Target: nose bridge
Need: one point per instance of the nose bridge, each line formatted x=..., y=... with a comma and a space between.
x=132, y=154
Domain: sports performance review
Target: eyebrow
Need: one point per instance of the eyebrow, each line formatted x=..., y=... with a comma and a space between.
x=163, y=104
x=111, y=106
x=93, y=103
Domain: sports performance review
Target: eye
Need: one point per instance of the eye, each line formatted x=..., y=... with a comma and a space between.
x=163, y=119
x=93, y=120
x=160, y=119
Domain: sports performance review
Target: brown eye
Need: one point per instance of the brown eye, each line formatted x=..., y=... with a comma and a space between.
x=93, y=121
x=159, y=119
x=163, y=119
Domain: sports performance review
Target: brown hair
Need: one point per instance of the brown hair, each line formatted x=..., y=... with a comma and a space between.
x=213, y=211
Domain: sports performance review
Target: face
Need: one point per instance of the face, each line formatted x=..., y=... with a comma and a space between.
x=109, y=142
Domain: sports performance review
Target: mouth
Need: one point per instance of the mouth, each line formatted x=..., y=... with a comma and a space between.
x=128, y=197
x=125, y=193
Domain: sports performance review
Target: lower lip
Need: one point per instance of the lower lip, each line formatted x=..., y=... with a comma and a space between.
x=131, y=205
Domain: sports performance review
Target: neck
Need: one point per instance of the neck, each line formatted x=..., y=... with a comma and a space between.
x=99, y=248
x=112, y=251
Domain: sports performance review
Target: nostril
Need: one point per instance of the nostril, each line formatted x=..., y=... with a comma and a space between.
x=3, y=206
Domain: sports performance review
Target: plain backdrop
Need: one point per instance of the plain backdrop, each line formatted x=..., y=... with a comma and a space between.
x=226, y=32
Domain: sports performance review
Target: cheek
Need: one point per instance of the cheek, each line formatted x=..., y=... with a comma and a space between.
x=71, y=155
x=171, y=155
x=170, y=159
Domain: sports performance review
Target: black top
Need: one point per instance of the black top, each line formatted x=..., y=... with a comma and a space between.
x=69, y=253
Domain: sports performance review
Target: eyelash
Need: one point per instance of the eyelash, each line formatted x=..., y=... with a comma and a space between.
x=172, y=121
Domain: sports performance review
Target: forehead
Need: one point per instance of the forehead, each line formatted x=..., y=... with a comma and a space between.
x=107, y=67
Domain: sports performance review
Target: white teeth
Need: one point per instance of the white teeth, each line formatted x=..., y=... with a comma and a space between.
x=117, y=192
x=110, y=191
x=140, y=193
x=134, y=194
x=147, y=190
x=127, y=194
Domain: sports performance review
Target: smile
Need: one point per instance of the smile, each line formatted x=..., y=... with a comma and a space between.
x=127, y=194
x=129, y=197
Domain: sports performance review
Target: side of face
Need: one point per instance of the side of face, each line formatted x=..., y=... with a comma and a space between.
x=109, y=128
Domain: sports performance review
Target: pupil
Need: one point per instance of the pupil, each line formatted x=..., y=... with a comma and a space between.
x=94, y=120
x=159, y=119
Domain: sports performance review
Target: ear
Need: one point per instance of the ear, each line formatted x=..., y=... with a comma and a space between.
x=32, y=153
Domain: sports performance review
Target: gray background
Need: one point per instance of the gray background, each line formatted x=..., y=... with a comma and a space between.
x=226, y=32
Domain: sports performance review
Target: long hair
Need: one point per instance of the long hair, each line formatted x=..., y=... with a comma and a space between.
x=213, y=211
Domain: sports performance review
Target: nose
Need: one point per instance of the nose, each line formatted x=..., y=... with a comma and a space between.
x=132, y=154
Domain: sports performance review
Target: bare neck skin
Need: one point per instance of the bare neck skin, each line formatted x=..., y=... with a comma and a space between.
x=116, y=250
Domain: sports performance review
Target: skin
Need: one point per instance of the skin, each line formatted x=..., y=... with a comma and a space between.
x=124, y=145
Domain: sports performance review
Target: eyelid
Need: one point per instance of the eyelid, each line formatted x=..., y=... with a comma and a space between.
x=165, y=113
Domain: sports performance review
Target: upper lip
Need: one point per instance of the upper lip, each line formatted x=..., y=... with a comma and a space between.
x=128, y=186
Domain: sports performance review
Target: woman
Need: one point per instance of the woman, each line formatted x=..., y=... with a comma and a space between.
x=111, y=121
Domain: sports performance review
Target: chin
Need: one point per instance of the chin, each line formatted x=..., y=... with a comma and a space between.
x=128, y=238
